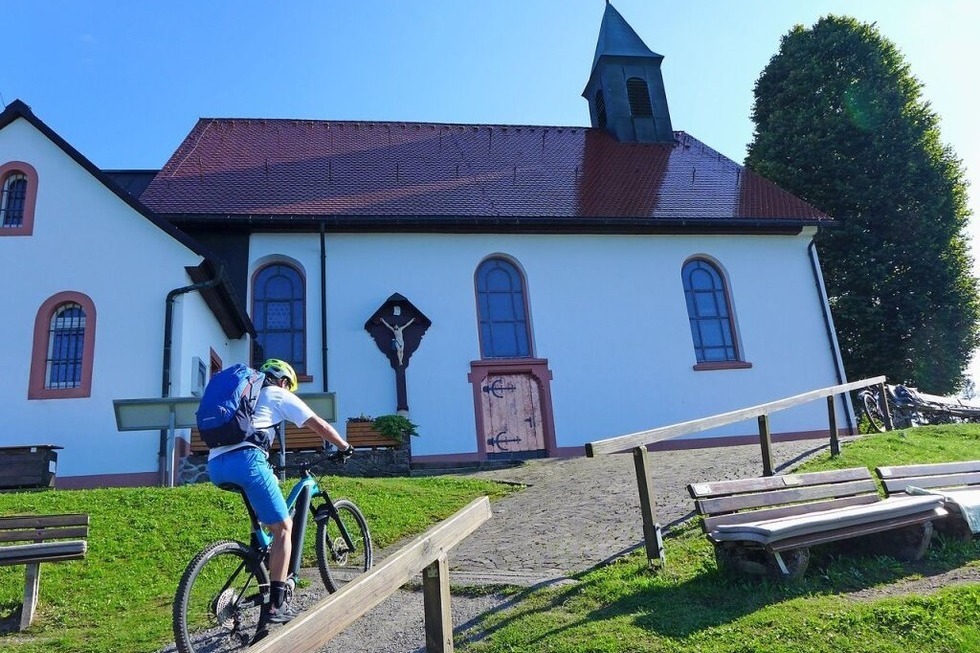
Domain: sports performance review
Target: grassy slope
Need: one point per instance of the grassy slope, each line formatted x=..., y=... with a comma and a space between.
x=119, y=598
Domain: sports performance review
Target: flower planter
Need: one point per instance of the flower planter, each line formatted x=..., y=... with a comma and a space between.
x=363, y=434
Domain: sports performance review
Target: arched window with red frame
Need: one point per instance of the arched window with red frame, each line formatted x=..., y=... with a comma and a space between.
x=18, y=195
x=64, y=348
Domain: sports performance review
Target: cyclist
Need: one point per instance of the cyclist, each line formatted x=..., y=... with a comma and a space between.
x=246, y=464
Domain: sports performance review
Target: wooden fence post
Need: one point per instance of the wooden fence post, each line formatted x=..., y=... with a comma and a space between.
x=883, y=395
x=648, y=509
x=438, y=614
x=832, y=417
x=765, y=439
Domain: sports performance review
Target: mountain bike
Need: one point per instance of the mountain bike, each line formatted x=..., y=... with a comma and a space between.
x=218, y=606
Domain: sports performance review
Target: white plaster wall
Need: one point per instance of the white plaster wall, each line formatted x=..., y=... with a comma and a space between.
x=88, y=240
x=607, y=312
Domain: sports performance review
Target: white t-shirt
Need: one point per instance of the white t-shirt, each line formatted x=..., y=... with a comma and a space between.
x=274, y=405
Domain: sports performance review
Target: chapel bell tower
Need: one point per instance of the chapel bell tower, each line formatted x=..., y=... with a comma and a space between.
x=626, y=88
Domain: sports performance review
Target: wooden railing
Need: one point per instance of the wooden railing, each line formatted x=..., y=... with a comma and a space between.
x=639, y=441
x=426, y=554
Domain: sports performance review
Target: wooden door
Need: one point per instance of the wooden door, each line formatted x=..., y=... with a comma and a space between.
x=512, y=415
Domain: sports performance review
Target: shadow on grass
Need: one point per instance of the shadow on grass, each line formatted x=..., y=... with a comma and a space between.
x=667, y=605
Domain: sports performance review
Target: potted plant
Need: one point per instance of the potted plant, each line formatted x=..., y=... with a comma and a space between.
x=381, y=431
x=396, y=427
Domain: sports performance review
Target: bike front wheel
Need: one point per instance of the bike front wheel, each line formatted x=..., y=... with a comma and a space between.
x=873, y=411
x=343, y=544
x=219, y=599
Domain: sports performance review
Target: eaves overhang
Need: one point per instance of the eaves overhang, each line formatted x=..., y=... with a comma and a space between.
x=497, y=224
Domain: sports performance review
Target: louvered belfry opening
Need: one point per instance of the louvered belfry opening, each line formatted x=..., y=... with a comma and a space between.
x=638, y=94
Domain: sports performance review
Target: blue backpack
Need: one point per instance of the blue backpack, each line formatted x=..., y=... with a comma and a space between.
x=225, y=414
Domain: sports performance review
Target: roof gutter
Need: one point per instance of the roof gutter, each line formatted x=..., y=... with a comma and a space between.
x=323, y=307
x=507, y=224
x=168, y=336
x=828, y=323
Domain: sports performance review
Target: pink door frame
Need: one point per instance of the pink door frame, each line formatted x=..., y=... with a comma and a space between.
x=537, y=368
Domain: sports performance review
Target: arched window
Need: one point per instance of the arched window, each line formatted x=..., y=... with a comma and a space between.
x=12, y=200
x=502, y=310
x=712, y=327
x=64, y=347
x=279, y=315
x=18, y=193
x=600, y=109
x=639, y=97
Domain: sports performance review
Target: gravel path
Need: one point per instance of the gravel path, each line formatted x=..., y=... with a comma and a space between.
x=574, y=514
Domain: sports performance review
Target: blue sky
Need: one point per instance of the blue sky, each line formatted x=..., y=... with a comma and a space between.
x=124, y=81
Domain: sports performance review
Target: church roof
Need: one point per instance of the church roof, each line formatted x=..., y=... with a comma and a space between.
x=359, y=173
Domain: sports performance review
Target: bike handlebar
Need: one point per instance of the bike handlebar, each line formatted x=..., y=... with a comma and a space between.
x=338, y=456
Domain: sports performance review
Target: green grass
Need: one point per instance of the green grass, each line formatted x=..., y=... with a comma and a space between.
x=689, y=607
x=119, y=598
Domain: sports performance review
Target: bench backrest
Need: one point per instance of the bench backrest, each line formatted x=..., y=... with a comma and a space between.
x=35, y=528
x=770, y=497
x=298, y=438
x=933, y=475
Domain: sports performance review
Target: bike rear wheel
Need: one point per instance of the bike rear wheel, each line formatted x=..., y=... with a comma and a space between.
x=219, y=599
x=339, y=562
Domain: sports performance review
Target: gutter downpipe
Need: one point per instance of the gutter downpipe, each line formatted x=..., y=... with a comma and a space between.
x=829, y=326
x=323, y=306
x=168, y=336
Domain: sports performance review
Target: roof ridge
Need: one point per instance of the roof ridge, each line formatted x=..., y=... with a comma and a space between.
x=421, y=123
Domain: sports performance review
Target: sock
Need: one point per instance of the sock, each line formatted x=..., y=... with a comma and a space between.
x=278, y=593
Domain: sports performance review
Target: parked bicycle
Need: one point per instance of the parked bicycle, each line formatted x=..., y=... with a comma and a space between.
x=909, y=408
x=219, y=598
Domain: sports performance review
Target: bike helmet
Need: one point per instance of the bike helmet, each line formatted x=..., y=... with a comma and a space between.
x=280, y=369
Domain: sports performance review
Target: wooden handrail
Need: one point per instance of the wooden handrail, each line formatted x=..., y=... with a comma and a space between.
x=641, y=438
x=330, y=616
x=638, y=441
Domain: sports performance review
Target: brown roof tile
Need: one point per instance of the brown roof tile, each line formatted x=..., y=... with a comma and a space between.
x=308, y=168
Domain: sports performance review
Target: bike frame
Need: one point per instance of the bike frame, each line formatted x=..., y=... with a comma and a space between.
x=298, y=503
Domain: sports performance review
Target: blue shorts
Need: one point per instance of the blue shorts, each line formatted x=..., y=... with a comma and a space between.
x=249, y=468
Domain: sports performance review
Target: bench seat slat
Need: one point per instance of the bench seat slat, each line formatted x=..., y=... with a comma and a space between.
x=19, y=554
x=744, y=485
x=37, y=535
x=898, y=485
x=710, y=522
x=858, y=530
x=733, y=503
x=930, y=469
x=42, y=521
x=772, y=530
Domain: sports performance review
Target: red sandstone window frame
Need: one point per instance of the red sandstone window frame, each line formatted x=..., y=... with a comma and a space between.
x=42, y=322
x=26, y=227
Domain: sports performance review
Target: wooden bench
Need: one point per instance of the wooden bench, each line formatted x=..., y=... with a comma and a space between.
x=958, y=482
x=50, y=538
x=298, y=438
x=767, y=524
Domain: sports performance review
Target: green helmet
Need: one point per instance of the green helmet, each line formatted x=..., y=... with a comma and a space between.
x=281, y=370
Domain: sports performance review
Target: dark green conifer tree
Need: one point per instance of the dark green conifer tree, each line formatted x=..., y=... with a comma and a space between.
x=840, y=121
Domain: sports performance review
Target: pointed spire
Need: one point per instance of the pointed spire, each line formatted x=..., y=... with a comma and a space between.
x=625, y=90
x=617, y=38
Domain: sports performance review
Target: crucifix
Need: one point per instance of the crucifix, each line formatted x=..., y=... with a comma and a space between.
x=397, y=328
